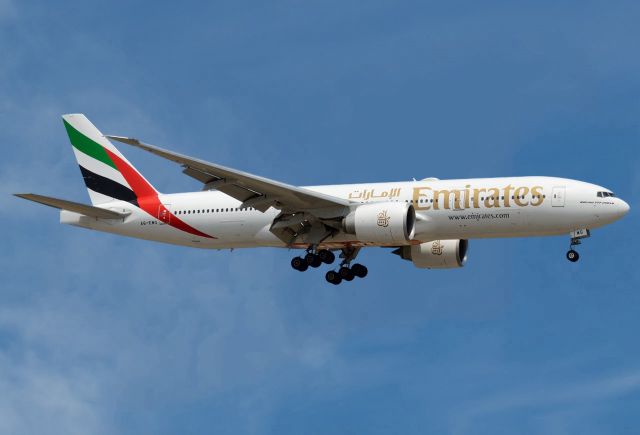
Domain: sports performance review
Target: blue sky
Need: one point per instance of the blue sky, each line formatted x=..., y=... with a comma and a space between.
x=106, y=335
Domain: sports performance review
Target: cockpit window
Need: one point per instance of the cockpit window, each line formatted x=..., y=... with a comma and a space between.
x=606, y=195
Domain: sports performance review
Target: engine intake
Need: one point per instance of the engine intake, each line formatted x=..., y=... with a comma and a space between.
x=383, y=223
x=437, y=254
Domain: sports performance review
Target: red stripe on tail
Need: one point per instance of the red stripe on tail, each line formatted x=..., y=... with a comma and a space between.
x=148, y=197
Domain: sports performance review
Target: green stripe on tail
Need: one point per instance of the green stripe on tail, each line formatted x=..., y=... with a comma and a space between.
x=87, y=146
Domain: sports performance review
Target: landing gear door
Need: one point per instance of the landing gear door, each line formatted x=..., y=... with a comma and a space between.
x=557, y=200
x=164, y=215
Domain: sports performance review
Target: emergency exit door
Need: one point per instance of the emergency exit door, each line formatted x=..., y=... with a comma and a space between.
x=557, y=198
x=164, y=215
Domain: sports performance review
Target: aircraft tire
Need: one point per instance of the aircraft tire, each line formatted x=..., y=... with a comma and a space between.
x=359, y=270
x=312, y=260
x=299, y=264
x=326, y=256
x=573, y=256
x=333, y=277
x=346, y=273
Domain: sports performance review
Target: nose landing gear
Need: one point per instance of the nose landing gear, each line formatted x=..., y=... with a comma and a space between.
x=572, y=254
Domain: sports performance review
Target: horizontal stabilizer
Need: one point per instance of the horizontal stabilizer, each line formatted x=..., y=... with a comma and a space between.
x=75, y=207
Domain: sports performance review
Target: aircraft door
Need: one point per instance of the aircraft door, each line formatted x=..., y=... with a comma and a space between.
x=456, y=202
x=557, y=200
x=164, y=215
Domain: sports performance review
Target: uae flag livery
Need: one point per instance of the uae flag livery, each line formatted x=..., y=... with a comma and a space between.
x=108, y=175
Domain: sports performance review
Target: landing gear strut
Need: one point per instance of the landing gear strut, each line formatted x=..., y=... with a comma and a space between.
x=572, y=254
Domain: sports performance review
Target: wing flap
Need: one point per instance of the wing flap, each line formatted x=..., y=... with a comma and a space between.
x=76, y=207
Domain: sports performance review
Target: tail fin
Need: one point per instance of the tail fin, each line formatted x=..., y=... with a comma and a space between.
x=106, y=172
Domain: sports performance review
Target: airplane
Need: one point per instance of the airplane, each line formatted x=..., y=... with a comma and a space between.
x=428, y=222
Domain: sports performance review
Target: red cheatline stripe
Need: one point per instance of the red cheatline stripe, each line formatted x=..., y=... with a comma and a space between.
x=148, y=197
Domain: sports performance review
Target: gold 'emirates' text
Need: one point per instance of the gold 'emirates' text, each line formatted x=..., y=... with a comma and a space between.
x=491, y=197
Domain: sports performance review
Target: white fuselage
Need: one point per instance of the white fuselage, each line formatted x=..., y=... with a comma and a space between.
x=445, y=209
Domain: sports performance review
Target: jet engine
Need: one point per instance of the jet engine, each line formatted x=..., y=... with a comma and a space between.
x=437, y=254
x=382, y=222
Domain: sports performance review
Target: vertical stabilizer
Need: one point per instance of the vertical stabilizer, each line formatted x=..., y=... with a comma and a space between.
x=107, y=174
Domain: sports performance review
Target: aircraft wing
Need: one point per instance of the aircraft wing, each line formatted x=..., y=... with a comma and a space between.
x=253, y=190
x=76, y=207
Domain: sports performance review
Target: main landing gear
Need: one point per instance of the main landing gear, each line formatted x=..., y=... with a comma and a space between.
x=313, y=259
x=346, y=271
x=572, y=254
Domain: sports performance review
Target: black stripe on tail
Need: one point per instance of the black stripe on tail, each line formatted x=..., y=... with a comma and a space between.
x=108, y=187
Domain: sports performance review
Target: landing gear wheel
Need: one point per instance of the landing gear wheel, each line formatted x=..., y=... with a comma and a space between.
x=346, y=273
x=573, y=256
x=333, y=277
x=359, y=270
x=312, y=260
x=326, y=256
x=298, y=263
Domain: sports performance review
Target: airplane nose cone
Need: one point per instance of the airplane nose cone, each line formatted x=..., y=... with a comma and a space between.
x=623, y=208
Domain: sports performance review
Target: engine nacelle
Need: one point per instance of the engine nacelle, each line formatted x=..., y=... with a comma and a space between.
x=438, y=254
x=382, y=222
